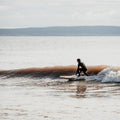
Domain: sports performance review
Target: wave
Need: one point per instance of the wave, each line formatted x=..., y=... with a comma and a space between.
x=52, y=72
x=107, y=75
x=102, y=73
x=111, y=74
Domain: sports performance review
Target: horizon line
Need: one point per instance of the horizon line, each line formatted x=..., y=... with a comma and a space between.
x=63, y=26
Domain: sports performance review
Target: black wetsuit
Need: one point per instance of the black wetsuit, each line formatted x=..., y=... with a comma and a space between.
x=81, y=68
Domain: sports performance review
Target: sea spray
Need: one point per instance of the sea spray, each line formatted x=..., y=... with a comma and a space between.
x=110, y=74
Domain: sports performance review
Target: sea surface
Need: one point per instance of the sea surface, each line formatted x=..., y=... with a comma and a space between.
x=31, y=89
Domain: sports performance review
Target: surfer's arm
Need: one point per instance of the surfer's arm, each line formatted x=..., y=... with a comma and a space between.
x=77, y=71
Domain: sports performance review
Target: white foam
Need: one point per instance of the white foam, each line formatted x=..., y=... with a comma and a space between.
x=107, y=75
x=112, y=76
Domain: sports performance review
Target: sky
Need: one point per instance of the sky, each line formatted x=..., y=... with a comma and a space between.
x=43, y=13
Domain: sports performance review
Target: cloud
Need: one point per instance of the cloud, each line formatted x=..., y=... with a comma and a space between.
x=37, y=13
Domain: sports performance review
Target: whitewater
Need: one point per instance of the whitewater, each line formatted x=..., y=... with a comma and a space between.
x=31, y=87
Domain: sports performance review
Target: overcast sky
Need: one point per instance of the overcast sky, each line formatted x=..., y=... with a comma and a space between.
x=42, y=13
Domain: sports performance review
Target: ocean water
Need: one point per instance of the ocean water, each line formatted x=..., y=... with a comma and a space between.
x=30, y=87
x=25, y=52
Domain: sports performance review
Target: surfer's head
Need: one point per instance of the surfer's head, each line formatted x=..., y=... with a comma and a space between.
x=78, y=60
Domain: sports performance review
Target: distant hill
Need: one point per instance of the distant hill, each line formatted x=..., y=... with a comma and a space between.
x=63, y=31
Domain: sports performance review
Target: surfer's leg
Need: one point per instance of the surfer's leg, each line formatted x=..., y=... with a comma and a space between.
x=79, y=72
x=85, y=72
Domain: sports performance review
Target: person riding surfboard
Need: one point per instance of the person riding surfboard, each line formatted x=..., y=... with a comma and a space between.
x=81, y=68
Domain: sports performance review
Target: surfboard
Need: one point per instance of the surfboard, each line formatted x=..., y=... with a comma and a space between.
x=73, y=78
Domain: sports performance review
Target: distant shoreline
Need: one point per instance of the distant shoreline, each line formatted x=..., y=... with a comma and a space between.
x=63, y=31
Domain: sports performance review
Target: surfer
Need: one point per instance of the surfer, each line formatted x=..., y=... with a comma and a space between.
x=81, y=68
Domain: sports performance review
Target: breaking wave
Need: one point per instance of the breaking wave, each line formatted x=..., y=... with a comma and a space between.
x=107, y=75
x=53, y=72
x=100, y=73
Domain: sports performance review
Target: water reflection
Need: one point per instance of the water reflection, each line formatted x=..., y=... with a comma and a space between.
x=87, y=89
x=81, y=91
x=56, y=87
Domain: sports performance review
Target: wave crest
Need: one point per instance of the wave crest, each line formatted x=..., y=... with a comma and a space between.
x=52, y=72
x=110, y=74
